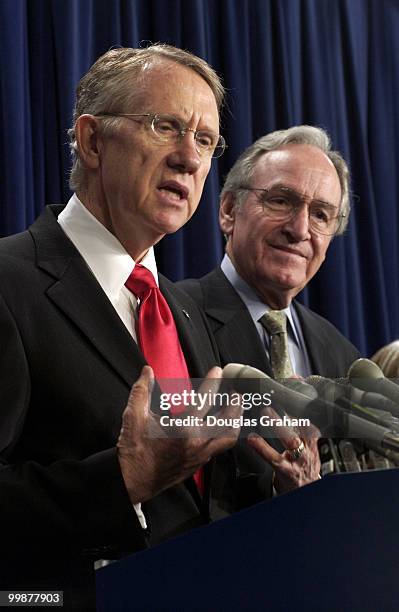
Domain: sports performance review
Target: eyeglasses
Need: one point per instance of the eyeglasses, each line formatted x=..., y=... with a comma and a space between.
x=283, y=203
x=168, y=128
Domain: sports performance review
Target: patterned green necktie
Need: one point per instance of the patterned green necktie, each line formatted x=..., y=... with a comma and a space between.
x=275, y=323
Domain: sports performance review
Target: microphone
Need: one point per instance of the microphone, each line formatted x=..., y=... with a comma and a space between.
x=321, y=413
x=367, y=375
x=341, y=387
x=390, y=455
x=377, y=461
x=349, y=457
x=301, y=386
x=329, y=456
x=354, y=399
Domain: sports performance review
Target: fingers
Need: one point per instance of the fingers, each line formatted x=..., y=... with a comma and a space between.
x=214, y=373
x=219, y=445
x=153, y=456
x=291, y=471
x=310, y=433
x=292, y=437
x=210, y=387
x=288, y=435
x=270, y=454
x=222, y=428
x=267, y=452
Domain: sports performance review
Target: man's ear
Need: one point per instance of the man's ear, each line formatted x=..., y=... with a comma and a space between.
x=227, y=213
x=87, y=138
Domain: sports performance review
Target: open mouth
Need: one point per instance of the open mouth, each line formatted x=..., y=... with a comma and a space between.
x=174, y=191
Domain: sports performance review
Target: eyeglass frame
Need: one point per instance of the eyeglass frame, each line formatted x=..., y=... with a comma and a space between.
x=183, y=130
x=303, y=198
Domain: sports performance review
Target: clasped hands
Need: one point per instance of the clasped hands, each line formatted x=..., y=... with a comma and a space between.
x=153, y=460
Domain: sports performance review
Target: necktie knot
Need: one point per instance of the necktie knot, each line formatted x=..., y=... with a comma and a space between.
x=140, y=282
x=275, y=322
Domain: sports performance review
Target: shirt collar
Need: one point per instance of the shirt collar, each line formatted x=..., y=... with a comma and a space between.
x=101, y=250
x=255, y=306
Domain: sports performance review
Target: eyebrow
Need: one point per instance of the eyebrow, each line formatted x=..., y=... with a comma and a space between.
x=180, y=117
x=297, y=194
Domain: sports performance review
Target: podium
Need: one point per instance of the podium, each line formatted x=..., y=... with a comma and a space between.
x=330, y=546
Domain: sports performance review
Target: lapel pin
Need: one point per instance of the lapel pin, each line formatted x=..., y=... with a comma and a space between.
x=185, y=313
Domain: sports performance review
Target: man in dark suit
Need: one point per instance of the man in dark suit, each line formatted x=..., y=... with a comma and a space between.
x=76, y=486
x=283, y=201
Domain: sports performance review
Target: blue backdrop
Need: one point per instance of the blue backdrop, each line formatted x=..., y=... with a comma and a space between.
x=333, y=63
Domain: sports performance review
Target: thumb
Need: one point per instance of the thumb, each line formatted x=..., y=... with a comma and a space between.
x=137, y=408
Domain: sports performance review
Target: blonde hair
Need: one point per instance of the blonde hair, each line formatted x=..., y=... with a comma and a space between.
x=387, y=358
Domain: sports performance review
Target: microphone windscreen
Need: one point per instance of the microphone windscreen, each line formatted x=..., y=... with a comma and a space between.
x=367, y=375
x=364, y=368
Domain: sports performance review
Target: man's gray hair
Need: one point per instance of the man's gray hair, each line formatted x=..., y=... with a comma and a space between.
x=242, y=171
x=115, y=79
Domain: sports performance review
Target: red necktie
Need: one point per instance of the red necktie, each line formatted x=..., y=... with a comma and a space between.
x=158, y=339
x=156, y=329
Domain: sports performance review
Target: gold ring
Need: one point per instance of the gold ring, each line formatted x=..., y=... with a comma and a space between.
x=295, y=453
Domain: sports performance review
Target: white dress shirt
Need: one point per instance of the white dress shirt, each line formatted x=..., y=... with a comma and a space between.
x=106, y=258
x=110, y=264
x=256, y=308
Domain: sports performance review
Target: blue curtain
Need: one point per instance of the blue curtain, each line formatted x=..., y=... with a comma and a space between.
x=333, y=63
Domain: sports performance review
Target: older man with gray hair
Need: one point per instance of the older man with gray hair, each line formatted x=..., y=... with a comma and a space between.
x=282, y=203
x=83, y=310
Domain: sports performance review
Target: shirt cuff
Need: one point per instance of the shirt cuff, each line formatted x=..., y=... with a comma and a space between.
x=140, y=515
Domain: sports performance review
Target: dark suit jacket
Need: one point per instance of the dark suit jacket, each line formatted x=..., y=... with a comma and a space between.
x=67, y=364
x=238, y=340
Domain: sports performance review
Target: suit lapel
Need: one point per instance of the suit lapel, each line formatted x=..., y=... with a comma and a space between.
x=74, y=291
x=191, y=340
x=233, y=327
x=321, y=357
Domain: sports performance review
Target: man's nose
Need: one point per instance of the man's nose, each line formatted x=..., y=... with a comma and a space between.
x=184, y=155
x=298, y=226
